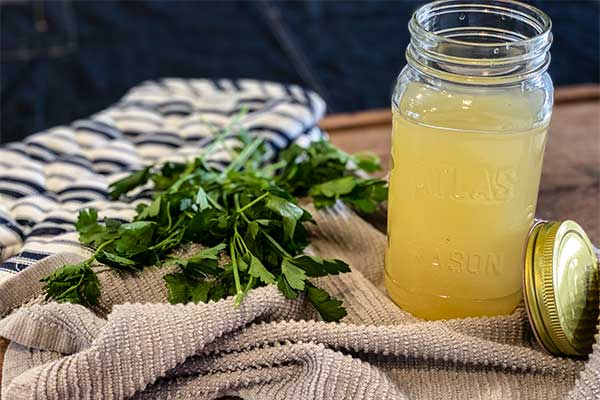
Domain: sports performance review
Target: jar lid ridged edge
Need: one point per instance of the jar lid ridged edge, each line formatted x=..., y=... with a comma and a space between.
x=549, y=247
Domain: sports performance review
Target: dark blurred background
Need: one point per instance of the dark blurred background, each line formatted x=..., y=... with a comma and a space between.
x=62, y=60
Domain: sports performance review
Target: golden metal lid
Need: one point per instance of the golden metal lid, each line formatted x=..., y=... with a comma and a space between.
x=561, y=287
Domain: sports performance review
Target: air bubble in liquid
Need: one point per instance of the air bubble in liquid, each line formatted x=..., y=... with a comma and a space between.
x=530, y=213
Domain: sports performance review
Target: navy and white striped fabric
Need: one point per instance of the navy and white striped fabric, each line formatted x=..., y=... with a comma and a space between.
x=46, y=179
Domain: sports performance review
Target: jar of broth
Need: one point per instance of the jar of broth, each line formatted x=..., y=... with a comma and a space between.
x=471, y=112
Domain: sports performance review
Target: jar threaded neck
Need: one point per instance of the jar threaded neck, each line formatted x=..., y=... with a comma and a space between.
x=480, y=42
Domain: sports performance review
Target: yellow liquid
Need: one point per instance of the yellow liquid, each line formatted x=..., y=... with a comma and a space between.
x=463, y=190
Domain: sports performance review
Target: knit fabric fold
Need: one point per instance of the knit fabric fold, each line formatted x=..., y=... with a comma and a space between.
x=274, y=348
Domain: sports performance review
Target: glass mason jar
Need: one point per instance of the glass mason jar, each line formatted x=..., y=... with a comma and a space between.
x=471, y=111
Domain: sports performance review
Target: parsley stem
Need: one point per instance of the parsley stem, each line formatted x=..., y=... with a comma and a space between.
x=221, y=134
x=249, y=285
x=214, y=203
x=169, y=218
x=184, y=178
x=236, y=273
x=73, y=288
x=243, y=157
x=245, y=218
x=253, y=202
x=76, y=287
x=236, y=201
x=274, y=167
x=276, y=245
x=98, y=250
x=238, y=238
x=173, y=234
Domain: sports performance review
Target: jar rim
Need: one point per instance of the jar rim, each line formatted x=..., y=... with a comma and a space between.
x=544, y=23
x=480, y=41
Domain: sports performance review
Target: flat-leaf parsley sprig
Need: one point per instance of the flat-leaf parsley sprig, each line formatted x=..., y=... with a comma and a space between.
x=246, y=212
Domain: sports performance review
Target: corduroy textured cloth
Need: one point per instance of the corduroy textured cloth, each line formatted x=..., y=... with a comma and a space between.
x=136, y=346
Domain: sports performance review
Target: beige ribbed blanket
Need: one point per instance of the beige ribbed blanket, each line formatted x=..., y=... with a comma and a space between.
x=136, y=346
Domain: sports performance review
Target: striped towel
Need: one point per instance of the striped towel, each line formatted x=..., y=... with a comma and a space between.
x=47, y=178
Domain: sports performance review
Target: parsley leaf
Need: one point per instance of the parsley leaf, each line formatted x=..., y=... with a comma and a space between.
x=368, y=162
x=93, y=233
x=87, y=220
x=150, y=211
x=258, y=270
x=202, y=264
x=128, y=183
x=73, y=283
x=328, y=307
x=201, y=291
x=294, y=276
x=285, y=288
x=201, y=199
x=334, y=188
x=315, y=266
x=118, y=262
x=289, y=211
x=179, y=290
x=135, y=237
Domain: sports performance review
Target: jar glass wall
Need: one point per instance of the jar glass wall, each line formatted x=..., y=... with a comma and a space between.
x=471, y=112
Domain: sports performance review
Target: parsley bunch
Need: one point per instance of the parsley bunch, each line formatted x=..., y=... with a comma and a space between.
x=246, y=213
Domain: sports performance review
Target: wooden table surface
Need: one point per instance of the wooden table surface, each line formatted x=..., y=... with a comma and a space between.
x=570, y=185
